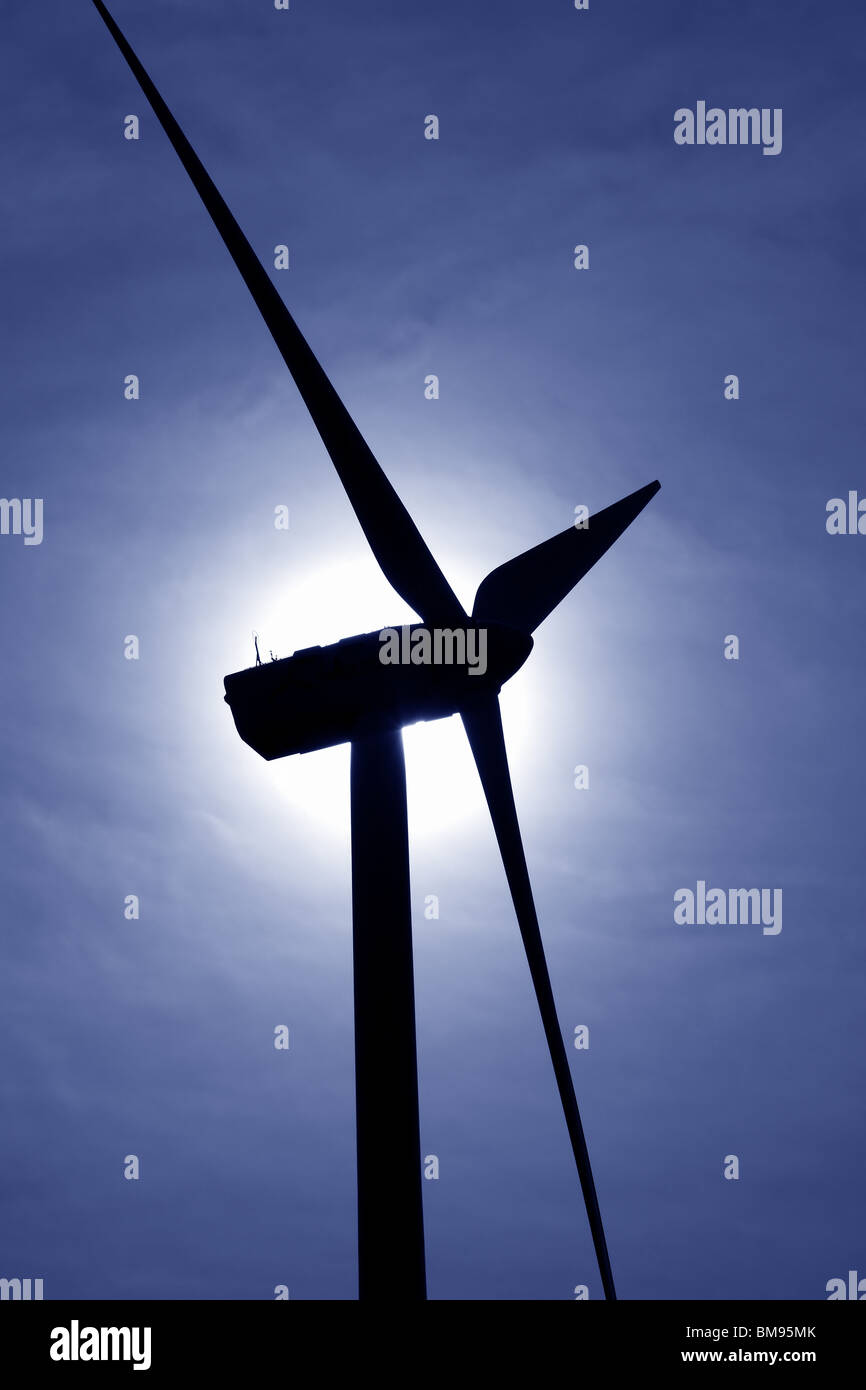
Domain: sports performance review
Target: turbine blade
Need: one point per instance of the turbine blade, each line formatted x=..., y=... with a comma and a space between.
x=483, y=726
x=393, y=537
x=523, y=591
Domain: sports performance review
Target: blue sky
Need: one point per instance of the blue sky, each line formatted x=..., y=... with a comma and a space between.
x=558, y=387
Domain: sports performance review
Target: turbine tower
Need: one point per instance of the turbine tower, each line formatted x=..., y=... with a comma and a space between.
x=347, y=693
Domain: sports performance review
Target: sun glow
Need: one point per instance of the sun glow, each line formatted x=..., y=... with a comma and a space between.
x=340, y=599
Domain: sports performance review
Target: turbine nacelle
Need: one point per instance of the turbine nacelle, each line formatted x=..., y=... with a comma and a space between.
x=370, y=684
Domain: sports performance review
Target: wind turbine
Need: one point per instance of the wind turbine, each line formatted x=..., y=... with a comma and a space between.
x=347, y=693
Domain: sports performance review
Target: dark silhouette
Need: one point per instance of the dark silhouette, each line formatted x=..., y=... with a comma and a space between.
x=348, y=693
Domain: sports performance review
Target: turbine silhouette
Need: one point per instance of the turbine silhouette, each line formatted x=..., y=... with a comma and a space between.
x=345, y=693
